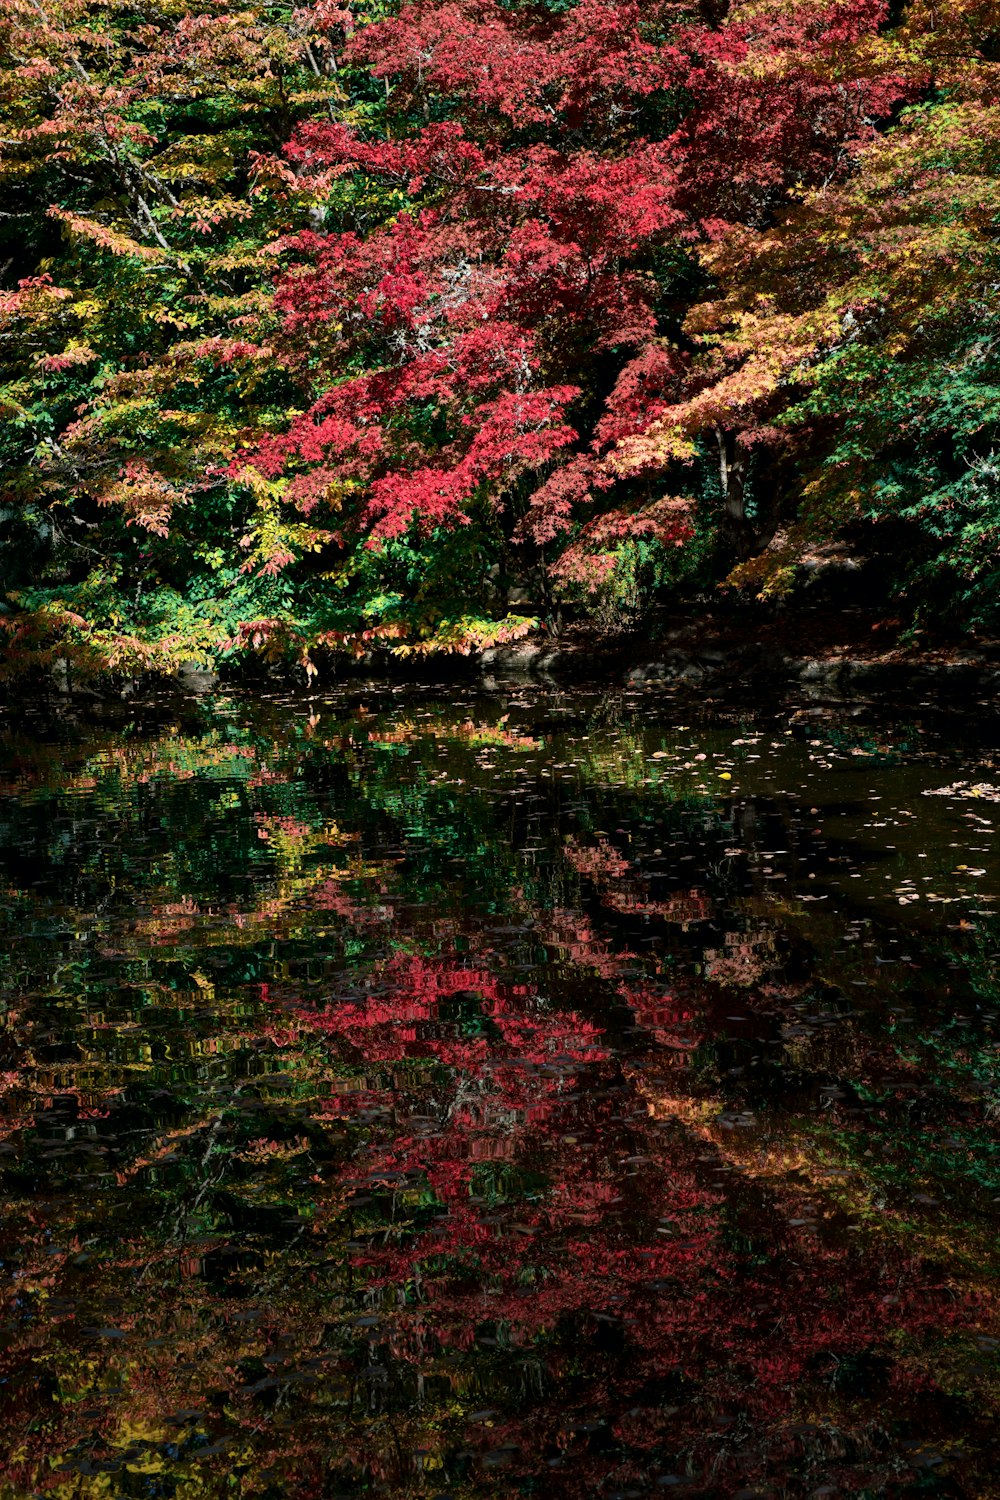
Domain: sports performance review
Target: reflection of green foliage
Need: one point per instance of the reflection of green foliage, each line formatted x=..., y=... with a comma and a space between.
x=194, y=910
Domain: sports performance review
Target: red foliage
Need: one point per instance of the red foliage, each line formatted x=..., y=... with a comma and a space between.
x=480, y=325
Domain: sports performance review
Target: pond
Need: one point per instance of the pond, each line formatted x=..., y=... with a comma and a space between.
x=439, y=1093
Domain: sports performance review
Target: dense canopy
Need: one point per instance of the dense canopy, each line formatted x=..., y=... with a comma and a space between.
x=417, y=326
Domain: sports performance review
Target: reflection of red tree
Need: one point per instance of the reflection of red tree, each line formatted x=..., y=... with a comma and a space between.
x=540, y=1236
x=751, y=1340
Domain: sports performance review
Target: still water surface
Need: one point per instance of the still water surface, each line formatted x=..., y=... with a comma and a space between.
x=438, y=1095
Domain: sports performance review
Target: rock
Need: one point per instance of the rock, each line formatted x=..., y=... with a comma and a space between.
x=196, y=678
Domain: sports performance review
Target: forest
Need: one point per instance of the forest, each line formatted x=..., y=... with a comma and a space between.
x=499, y=749
x=400, y=327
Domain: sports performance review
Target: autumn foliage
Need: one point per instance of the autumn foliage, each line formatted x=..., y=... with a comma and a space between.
x=348, y=1147
x=417, y=324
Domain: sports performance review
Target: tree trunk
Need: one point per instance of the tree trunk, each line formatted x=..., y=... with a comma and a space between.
x=737, y=533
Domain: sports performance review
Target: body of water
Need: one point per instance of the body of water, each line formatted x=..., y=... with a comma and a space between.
x=451, y=1095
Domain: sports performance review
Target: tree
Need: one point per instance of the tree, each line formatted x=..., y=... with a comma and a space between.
x=134, y=242
x=404, y=325
x=854, y=342
x=549, y=259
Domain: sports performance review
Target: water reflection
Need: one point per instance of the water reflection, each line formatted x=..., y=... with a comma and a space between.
x=498, y=1096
